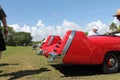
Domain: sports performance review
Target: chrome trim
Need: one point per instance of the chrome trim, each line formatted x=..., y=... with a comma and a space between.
x=51, y=39
x=51, y=56
x=71, y=36
x=59, y=58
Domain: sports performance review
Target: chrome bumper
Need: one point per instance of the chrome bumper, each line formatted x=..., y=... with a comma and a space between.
x=55, y=58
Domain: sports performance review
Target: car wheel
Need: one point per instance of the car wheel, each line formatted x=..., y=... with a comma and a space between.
x=111, y=63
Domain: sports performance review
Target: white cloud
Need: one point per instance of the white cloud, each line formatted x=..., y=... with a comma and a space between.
x=16, y=27
x=40, y=31
x=40, y=23
x=102, y=28
x=25, y=28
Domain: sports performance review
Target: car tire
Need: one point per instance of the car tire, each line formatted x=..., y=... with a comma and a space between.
x=111, y=64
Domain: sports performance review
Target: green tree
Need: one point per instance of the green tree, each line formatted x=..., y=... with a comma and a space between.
x=118, y=28
x=113, y=27
x=11, y=32
x=10, y=41
x=22, y=38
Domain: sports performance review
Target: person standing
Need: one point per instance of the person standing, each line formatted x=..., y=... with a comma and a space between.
x=5, y=30
x=93, y=32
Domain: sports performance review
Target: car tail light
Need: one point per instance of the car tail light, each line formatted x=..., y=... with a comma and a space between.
x=55, y=50
x=59, y=42
x=57, y=45
x=40, y=46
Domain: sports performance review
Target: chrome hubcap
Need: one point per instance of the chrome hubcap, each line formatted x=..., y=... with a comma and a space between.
x=111, y=62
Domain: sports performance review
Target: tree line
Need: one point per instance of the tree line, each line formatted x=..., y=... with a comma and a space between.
x=18, y=38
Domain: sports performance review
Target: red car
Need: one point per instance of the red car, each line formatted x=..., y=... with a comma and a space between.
x=77, y=48
x=51, y=40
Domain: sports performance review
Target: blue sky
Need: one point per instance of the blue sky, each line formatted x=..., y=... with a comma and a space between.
x=56, y=12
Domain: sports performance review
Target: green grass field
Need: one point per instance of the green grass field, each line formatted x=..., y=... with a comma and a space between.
x=22, y=63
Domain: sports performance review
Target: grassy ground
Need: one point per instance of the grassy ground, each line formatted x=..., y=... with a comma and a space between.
x=22, y=63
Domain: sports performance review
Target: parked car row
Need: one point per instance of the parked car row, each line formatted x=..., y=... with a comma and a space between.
x=77, y=48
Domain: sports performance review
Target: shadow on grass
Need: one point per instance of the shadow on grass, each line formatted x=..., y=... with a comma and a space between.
x=78, y=70
x=0, y=71
x=6, y=64
x=19, y=74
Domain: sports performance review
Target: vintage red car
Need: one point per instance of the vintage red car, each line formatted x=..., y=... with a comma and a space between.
x=51, y=40
x=77, y=48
